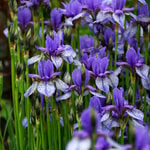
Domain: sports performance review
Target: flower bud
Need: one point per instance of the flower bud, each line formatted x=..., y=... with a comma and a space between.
x=67, y=78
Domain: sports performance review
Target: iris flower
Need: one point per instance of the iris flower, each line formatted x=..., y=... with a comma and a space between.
x=44, y=81
x=24, y=16
x=136, y=62
x=121, y=110
x=117, y=10
x=56, y=17
x=57, y=52
x=104, y=78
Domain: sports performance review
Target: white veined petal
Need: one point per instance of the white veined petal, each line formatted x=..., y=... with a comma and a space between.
x=33, y=59
x=46, y=88
x=57, y=61
x=30, y=90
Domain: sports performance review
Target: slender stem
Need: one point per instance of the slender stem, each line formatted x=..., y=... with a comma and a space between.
x=122, y=136
x=59, y=133
x=37, y=132
x=146, y=41
x=145, y=105
x=116, y=39
x=42, y=130
x=133, y=81
x=48, y=124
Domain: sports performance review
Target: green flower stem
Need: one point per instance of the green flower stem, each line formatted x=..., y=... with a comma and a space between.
x=59, y=133
x=116, y=39
x=146, y=41
x=1, y=87
x=42, y=24
x=28, y=103
x=127, y=81
x=54, y=122
x=37, y=134
x=18, y=118
x=122, y=136
x=93, y=140
x=133, y=82
x=42, y=130
x=48, y=123
x=145, y=105
x=12, y=52
x=1, y=142
x=138, y=35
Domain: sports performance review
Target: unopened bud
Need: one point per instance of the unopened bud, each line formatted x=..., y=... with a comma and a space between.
x=67, y=78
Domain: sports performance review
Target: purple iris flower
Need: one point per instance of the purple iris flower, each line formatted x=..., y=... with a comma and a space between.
x=35, y=2
x=143, y=10
x=117, y=9
x=30, y=3
x=87, y=61
x=86, y=43
x=95, y=103
x=56, y=16
x=56, y=51
x=119, y=110
x=78, y=81
x=120, y=101
x=109, y=34
x=92, y=5
x=143, y=14
x=104, y=78
x=102, y=144
x=45, y=85
x=142, y=139
x=72, y=9
x=135, y=61
x=86, y=120
x=24, y=16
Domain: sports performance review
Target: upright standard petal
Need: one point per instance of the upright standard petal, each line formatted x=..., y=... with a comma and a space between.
x=131, y=57
x=24, y=16
x=48, y=68
x=104, y=62
x=118, y=98
x=95, y=103
x=76, y=77
x=56, y=16
x=96, y=66
x=41, y=68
